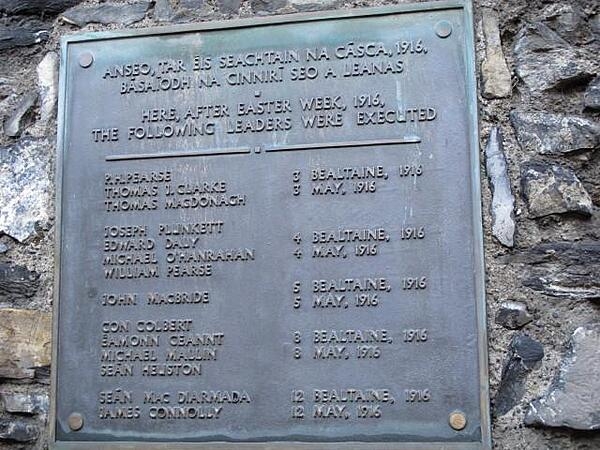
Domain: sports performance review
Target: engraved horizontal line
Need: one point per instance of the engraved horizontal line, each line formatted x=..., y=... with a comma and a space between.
x=366, y=143
x=214, y=152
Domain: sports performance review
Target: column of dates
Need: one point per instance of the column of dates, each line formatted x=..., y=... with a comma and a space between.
x=356, y=275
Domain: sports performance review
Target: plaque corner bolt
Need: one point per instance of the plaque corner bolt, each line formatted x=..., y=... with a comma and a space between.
x=457, y=420
x=443, y=29
x=86, y=59
x=75, y=421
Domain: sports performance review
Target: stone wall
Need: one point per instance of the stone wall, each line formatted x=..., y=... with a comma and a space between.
x=539, y=107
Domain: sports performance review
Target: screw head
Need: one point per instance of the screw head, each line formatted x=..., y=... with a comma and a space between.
x=86, y=59
x=443, y=29
x=457, y=420
x=75, y=421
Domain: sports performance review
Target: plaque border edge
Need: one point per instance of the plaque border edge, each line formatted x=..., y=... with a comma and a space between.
x=478, y=238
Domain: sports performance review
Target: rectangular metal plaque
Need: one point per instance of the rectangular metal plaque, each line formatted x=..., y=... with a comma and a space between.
x=270, y=235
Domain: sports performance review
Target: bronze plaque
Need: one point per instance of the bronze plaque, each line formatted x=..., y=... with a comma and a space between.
x=270, y=235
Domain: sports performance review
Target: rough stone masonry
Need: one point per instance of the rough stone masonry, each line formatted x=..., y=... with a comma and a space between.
x=539, y=107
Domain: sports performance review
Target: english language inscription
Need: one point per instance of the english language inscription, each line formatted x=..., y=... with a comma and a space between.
x=270, y=234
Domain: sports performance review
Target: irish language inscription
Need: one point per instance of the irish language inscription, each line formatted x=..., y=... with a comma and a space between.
x=267, y=234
